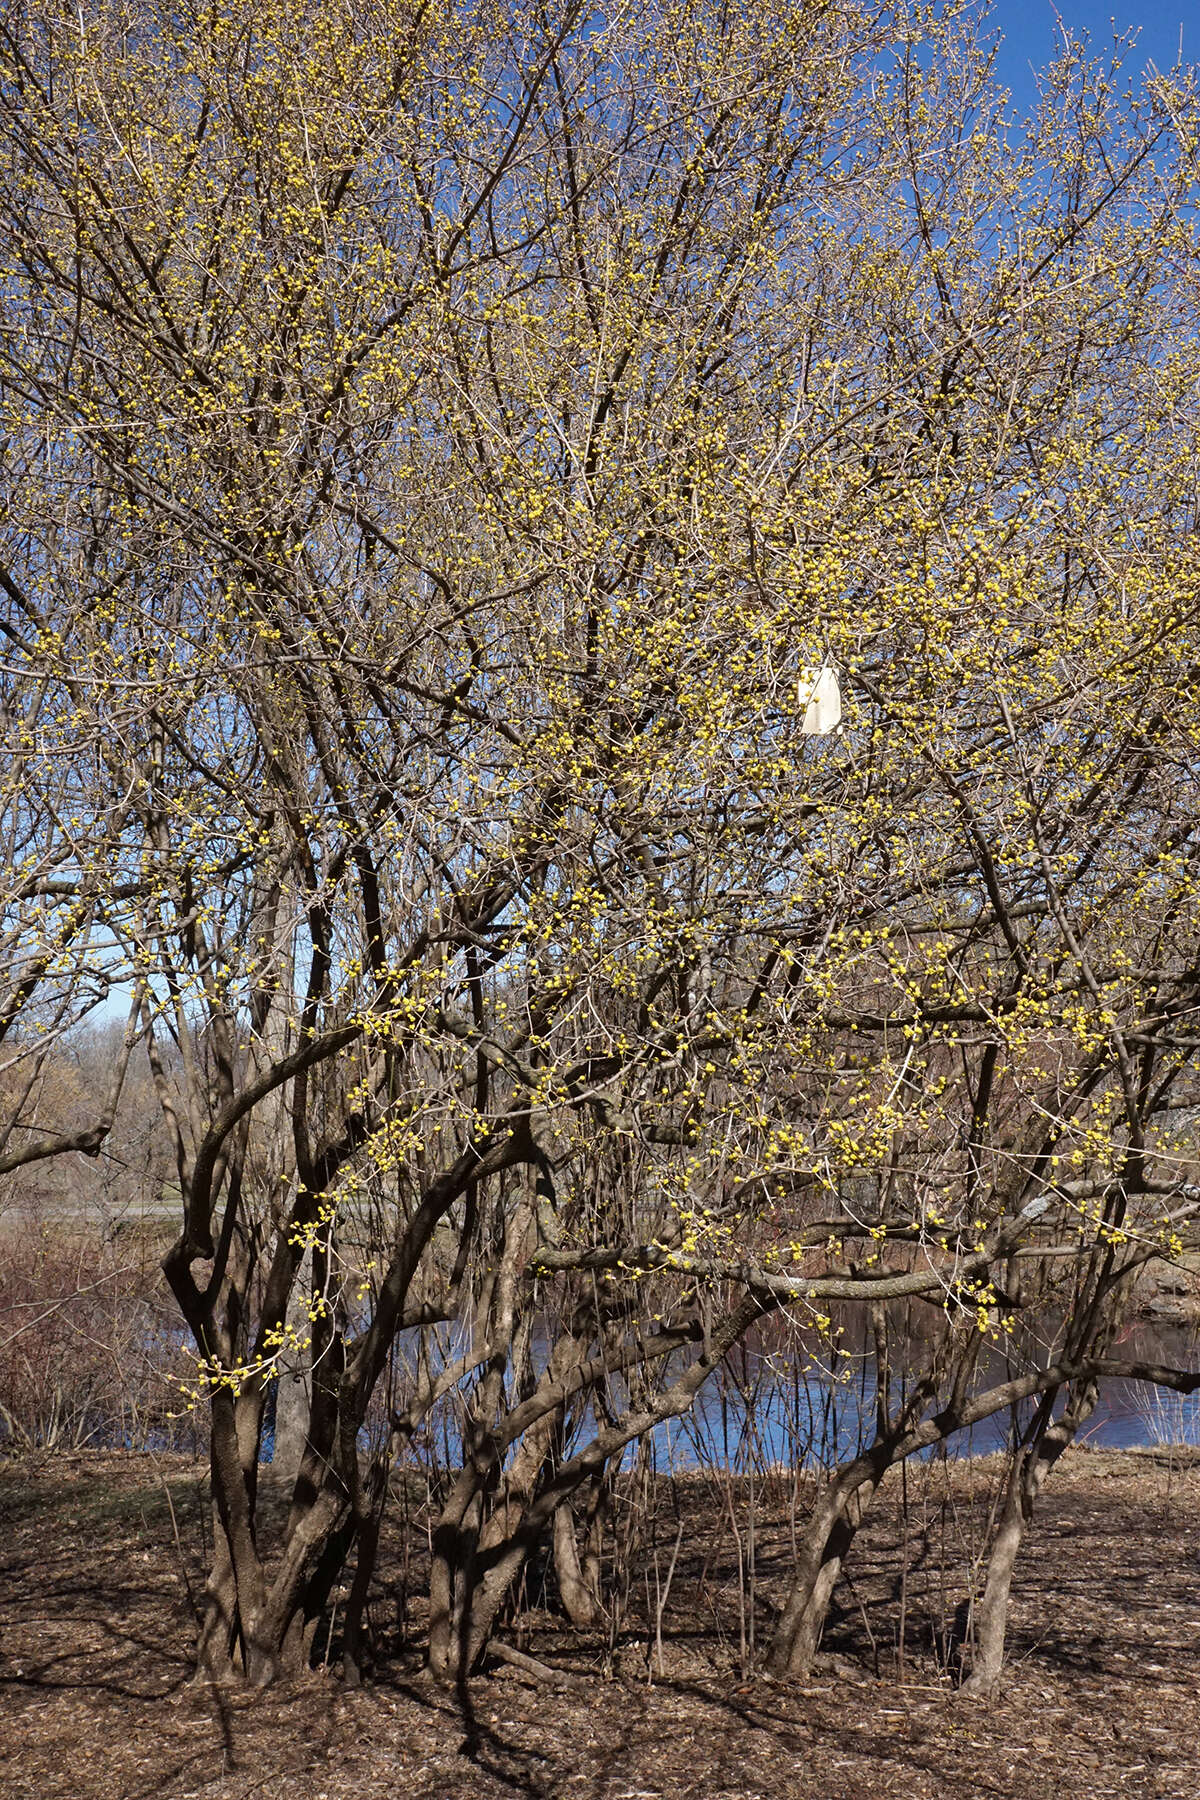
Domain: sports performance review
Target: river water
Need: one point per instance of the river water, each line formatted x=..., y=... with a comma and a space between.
x=781, y=1408
x=775, y=1415
x=778, y=1407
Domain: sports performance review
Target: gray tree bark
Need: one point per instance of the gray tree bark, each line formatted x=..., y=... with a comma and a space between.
x=1031, y=1465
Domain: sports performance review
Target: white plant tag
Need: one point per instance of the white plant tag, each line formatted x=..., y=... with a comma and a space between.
x=819, y=692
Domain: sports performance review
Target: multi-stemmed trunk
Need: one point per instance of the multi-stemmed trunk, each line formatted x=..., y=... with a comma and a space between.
x=841, y=1508
x=261, y=1613
x=477, y=1554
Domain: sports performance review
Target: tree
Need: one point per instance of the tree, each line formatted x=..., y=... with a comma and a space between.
x=446, y=439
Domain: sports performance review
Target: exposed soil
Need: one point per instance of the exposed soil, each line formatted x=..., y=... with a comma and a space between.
x=1102, y=1696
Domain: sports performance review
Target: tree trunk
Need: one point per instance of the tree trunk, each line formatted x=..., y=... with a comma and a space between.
x=258, y=1624
x=597, y=1512
x=218, y=1622
x=1031, y=1466
x=580, y=1600
x=292, y=1392
x=476, y=1559
x=231, y=1643
x=826, y=1544
x=356, y=1645
x=451, y=1580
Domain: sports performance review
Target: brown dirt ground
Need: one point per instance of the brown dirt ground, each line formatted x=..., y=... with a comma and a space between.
x=1102, y=1696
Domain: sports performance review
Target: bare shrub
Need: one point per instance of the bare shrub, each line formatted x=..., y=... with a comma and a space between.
x=87, y=1346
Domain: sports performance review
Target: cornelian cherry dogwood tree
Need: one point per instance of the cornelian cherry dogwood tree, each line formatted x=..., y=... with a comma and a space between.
x=444, y=443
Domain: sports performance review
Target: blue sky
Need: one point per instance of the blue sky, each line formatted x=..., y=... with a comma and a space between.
x=1031, y=33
